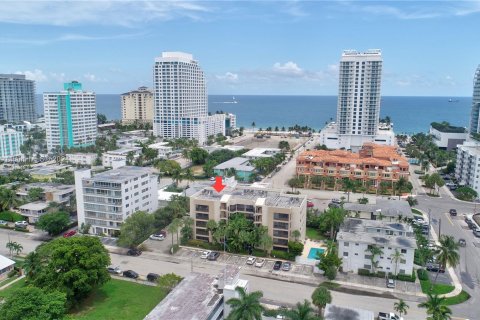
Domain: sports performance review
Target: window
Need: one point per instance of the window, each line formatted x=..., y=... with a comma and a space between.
x=367, y=266
x=345, y=254
x=346, y=244
x=356, y=244
x=404, y=250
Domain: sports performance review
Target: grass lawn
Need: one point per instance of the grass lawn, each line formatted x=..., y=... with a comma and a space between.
x=7, y=281
x=417, y=212
x=119, y=300
x=438, y=288
x=461, y=297
x=314, y=234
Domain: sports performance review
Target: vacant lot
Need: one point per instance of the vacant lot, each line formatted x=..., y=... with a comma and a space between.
x=250, y=142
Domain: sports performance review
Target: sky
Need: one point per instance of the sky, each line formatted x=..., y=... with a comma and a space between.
x=430, y=48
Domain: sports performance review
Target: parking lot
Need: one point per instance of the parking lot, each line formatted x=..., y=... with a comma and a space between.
x=240, y=260
x=402, y=286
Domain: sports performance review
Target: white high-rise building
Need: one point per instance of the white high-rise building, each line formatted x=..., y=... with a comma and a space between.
x=180, y=99
x=358, y=106
x=17, y=98
x=70, y=117
x=105, y=200
x=10, y=143
x=475, y=115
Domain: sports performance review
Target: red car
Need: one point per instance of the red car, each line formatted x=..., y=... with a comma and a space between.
x=310, y=204
x=69, y=234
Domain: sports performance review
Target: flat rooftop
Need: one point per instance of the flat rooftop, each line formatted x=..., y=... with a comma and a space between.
x=194, y=299
x=261, y=152
x=356, y=230
x=47, y=187
x=121, y=174
x=239, y=164
x=124, y=151
x=389, y=208
x=34, y=206
x=272, y=198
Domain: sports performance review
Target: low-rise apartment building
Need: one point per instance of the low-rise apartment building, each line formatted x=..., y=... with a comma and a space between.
x=380, y=209
x=239, y=167
x=33, y=210
x=257, y=153
x=372, y=165
x=356, y=236
x=105, y=200
x=447, y=137
x=280, y=213
x=164, y=151
x=82, y=158
x=467, y=169
x=56, y=192
x=109, y=157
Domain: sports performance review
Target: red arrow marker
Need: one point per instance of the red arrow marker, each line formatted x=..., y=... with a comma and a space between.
x=218, y=186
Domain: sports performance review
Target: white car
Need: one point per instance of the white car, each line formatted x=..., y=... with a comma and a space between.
x=3, y=223
x=114, y=270
x=159, y=237
x=21, y=224
x=205, y=254
x=251, y=260
x=259, y=263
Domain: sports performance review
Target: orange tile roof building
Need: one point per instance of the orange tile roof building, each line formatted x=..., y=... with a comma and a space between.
x=371, y=165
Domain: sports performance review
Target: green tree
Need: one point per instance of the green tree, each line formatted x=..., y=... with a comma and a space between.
x=412, y=201
x=302, y=311
x=329, y=261
x=75, y=266
x=35, y=194
x=8, y=199
x=247, y=306
x=348, y=186
x=295, y=183
x=266, y=242
x=296, y=234
x=436, y=308
x=331, y=219
x=169, y=281
x=396, y=257
x=198, y=155
x=401, y=307
x=187, y=229
x=101, y=118
x=320, y=297
x=466, y=193
x=295, y=248
x=32, y=303
x=54, y=222
x=168, y=167
x=447, y=253
x=136, y=229
x=284, y=145
x=211, y=226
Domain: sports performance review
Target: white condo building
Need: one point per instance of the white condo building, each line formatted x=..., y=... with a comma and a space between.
x=180, y=99
x=358, y=106
x=17, y=98
x=70, y=117
x=10, y=142
x=105, y=200
x=475, y=115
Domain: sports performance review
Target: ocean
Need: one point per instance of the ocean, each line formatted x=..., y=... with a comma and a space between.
x=409, y=114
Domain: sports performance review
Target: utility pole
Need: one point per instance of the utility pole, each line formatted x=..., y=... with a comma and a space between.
x=429, y=223
x=439, y=227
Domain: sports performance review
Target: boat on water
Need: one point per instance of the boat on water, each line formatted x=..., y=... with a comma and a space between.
x=451, y=100
x=233, y=101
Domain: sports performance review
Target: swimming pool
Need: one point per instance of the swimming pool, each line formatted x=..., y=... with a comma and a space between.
x=313, y=253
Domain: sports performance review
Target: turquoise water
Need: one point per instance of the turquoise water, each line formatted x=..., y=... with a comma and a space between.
x=313, y=253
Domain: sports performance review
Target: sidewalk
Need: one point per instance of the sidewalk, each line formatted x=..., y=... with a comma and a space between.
x=10, y=283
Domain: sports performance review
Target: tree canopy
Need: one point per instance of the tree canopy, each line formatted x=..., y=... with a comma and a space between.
x=136, y=229
x=54, y=222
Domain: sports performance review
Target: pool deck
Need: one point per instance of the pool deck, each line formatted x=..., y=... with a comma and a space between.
x=309, y=244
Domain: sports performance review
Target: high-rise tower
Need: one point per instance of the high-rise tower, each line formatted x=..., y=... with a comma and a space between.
x=17, y=98
x=70, y=117
x=475, y=117
x=358, y=108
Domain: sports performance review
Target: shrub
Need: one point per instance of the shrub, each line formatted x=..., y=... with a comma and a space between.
x=12, y=273
x=364, y=272
x=295, y=248
x=6, y=227
x=281, y=255
x=20, y=229
x=406, y=277
x=331, y=273
x=174, y=248
x=422, y=274
x=380, y=274
x=11, y=216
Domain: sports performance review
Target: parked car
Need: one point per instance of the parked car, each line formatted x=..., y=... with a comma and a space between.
x=453, y=212
x=434, y=266
x=134, y=252
x=476, y=232
x=391, y=283
x=114, y=270
x=469, y=222
x=212, y=178
x=157, y=236
x=337, y=201
x=213, y=256
x=130, y=274
x=286, y=266
x=21, y=224
x=152, y=277
x=462, y=242
x=310, y=204
x=251, y=260
x=259, y=263
x=277, y=265
x=388, y=316
x=205, y=254
x=69, y=234
x=3, y=223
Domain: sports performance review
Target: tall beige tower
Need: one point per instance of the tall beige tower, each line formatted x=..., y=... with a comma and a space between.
x=137, y=106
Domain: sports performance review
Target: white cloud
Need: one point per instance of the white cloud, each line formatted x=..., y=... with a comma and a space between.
x=91, y=77
x=58, y=77
x=105, y=12
x=288, y=68
x=228, y=76
x=68, y=37
x=37, y=75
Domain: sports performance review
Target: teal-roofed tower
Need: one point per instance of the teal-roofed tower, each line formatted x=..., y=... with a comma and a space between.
x=70, y=117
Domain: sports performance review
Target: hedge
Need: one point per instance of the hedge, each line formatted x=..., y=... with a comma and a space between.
x=11, y=216
x=422, y=274
x=364, y=272
x=282, y=255
x=406, y=277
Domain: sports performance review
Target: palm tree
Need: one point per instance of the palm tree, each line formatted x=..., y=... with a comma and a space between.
x=172, y=229
x=302, y=311
x=177, y=224
x=425, y=166
x=17, y=247
x=253, y=126
x=334, y=218
x=247, y=306
x=320, y=297
x=348, y=185
x=374, y=251
x=401, y=307
x=32, y=263
x=189, y=175
x=10, y=246
x=436, y=308
x=447, y=253
x=8, y=199
x=266, y=241
x=296, y=234
x=211, y=226
x=397, y=256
